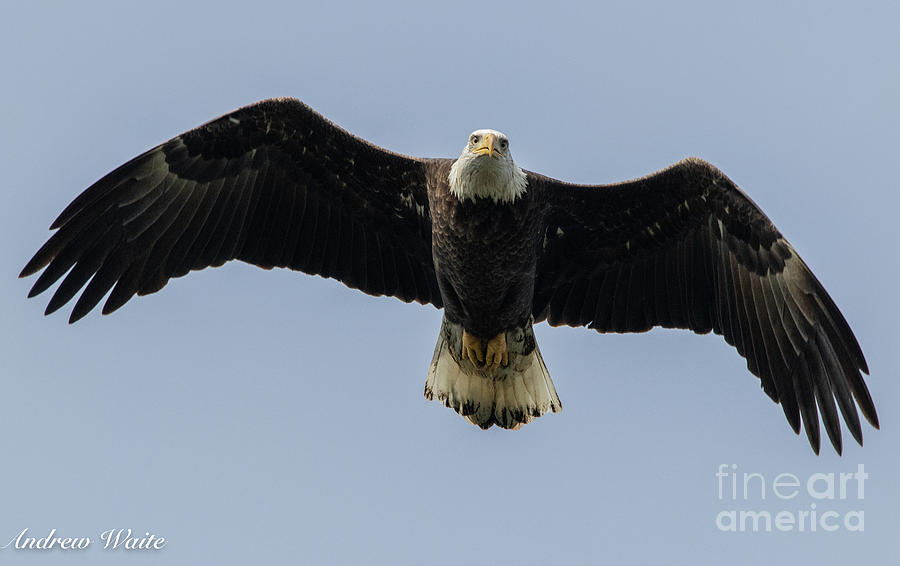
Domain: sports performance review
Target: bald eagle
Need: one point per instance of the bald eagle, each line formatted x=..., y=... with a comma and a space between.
x=498, y=248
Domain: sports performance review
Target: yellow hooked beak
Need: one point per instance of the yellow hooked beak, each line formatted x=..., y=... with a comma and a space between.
x=486, y=146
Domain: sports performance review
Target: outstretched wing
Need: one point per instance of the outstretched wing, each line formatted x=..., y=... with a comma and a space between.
x=273, y=184
x=686, y=248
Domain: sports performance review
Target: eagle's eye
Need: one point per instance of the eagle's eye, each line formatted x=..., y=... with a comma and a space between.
x=504, y=144
x=474, y=140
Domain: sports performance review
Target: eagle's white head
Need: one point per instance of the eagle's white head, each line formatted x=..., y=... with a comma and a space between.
x=486, y=169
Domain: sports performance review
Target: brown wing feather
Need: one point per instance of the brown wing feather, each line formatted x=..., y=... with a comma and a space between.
x=273, y=184
x=685, y=248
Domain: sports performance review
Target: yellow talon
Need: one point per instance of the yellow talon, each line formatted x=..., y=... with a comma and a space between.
x=471, y=348
x=496, y=352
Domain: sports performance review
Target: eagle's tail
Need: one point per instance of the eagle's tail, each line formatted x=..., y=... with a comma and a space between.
x=508, y=397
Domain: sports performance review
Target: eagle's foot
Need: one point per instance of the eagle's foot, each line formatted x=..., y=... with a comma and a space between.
x=471, y=348
x=496, y=352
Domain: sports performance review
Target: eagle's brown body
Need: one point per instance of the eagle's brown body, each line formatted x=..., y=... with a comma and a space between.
x=485, y=256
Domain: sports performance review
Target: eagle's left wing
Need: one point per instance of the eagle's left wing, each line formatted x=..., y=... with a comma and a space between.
x=686, y=248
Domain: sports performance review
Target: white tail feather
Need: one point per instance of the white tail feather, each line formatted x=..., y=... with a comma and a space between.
x=508, y=396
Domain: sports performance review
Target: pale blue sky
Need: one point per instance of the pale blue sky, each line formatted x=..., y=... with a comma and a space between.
x=272, y=417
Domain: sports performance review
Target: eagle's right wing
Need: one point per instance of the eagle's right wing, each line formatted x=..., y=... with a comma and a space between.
x=273, y=184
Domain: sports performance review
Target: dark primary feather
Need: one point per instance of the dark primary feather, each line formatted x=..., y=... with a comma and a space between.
x=273, y=184
x=685, y=248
